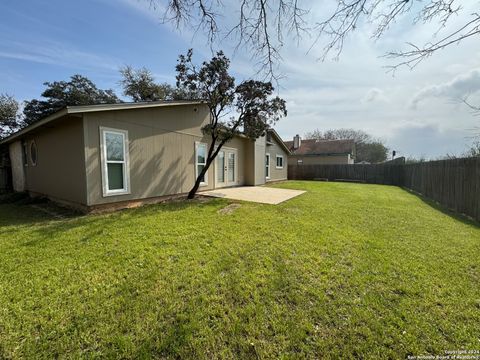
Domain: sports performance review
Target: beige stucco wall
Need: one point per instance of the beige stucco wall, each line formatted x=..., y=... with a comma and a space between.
x=60, y=171
x=320, y=160
x=161, y=155
x=259, y=158
x=16, y=161
x=161, y=151
x=250, y=162
x=274, y=149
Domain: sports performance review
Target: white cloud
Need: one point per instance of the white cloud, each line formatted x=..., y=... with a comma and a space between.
x=54, y=53
x=428, y=140
x=374, y=95
x=456, y=89
x=151, y=10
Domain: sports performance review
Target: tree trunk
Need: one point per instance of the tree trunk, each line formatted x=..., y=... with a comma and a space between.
x=193, y=191
x=211, y=156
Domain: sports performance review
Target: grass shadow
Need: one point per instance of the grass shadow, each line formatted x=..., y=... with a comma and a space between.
x=20, y=209
x=94, y=224
x=467, y=220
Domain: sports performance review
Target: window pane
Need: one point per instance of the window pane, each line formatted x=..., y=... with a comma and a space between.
x=199, y=170
x=201, y=153
x=24, y=148
x=115, y=176
x=267, y=166
x=231, y=167
x=221, y=167
x=33, y=153
x=114, y=144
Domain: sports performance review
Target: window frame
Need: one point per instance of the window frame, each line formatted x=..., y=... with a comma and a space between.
x=276, y=161
x=126, y=162
x=25, y=153
x=197, y=144
x=267, y=176
x=33, y=143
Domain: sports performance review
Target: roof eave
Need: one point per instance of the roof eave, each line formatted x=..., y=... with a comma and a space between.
x=129, y=106
x=54, y=116
x=80, y=109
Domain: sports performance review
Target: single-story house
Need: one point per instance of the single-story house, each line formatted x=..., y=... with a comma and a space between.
x=320, y=152
x=121, y=155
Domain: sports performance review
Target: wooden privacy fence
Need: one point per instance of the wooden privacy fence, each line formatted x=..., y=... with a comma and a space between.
x=454, y=183
x=371, y=174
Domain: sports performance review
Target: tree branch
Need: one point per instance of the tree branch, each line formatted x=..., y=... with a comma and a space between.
x=261, y=27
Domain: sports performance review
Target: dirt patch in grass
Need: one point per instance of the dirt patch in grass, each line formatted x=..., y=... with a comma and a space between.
x=229, y=209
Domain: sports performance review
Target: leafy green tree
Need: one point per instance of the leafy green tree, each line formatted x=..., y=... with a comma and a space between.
x=140, y=85
x=251, y=100
x=373, y=152
x=9, y=117
x=367, y=148
x=79, y=90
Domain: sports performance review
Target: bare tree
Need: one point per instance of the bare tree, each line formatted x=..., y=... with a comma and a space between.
x=474, y=108
x=261, y=26
x=473, y=150
x=476, y=111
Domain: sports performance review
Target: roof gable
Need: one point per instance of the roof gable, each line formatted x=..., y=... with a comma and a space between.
x=279, y=140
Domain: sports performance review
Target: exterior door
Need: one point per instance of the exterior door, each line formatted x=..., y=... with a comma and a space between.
x=226, y=168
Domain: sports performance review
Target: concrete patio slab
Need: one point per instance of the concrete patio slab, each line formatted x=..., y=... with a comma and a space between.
x=259, y=194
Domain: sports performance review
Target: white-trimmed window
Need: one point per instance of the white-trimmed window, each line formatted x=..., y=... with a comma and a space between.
x=267, y=166
x=201, y=161
x=279, y=162
x=115, y=161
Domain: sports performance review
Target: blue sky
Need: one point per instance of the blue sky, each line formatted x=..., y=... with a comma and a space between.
x=416, y=112
x=47, y=40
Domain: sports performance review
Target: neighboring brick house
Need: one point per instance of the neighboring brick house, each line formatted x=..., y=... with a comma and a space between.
x=322, y=152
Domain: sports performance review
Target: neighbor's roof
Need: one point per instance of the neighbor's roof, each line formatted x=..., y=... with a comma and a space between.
x=93, y=108
x=322, y=147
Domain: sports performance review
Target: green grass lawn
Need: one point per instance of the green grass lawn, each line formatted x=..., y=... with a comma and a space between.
x=344, y=270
